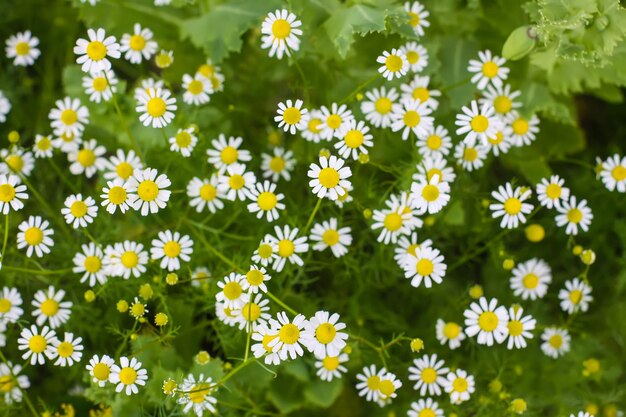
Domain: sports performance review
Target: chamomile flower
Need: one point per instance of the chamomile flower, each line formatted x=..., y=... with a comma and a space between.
x=226, y=152
x=164, y=59
x=460, y=385
x=477, y=123
x=50, y=307
x=327, y=234
x=277, y=165
x=487, y=320
x=264, y=336
x=430, y=196
x=521, y=130
x=43, y=146
x=122, y=165
x=389, y=385
x=127, y=375
x=488, y=69
x=330, y=367
x=197, y=395
x=88, y=159
x=412, y=116
x=323, y=334
x=393, y=222
x=12, y=384
x=470, y=157
x=407, y=245
x=289, y=335
x=100, y=368
x=501, y=98
x=418, y=16
x=449, y=332
x=226, y=315
x=334, y=119
x=79, y=211
x=613, y=173
x=430, y=167
x=184, y=141
x=69, y=350
x=354, y=139
x=35, y=235
x=69, y=117
x=417, y=56
x=575, y=297
x=253, y=312
x=127, y=259
x=426, y=265
x=501, y=142
x=11, y=194
x=146, y=85
x=38, y=344
x=380, y=105
x=429, y=373
x=556, y=342
x=66, y=142
x=10, y=302
x=369, y=381
x=147, y=191
x=236, y=183
x=551, y=191
x=16, y=161
x=291, y=117
x=171, y=248
x=197, y=89
x=418, y=89
x=394, y=64
x=520, y=328
x=265, y=254
x=425, y=408
x=204, y=193
x=255, y=279
x=530, y=279
x=574, y=215
x=314, y=126
x=94, y=54
x=280, y=32
x=266, y=202
x=22, y=48
x=344, y=199
x=5, y=107
x=232, y=293
x=90, y=263
x=156, y=106
x=511, y=206
x=287, y=246
x=329, y=178
x=138, y=45
x=100, y=86
x=115, y=195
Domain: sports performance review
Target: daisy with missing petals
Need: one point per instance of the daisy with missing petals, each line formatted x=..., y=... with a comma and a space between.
x=89, y=262
x=184, y=141
x=477, y=123
x=37, y=344
x=266, y=202
x=100, y=86
x=613, y=173
x=574, y=215
x=412, y=116
x=12, y=384
x=417, y=56
x=323, y=336
x=379, y=106
x=287, y=246
x=330, y=367
x=280, y=32
x=291, y=117
x=369, y=381
x=127, y=259
x=128, y=375
x=289, y=335
x=501, y=99
x=334, y=119
x=354, y=139
x=50, y=307
x=277, y=165
x=434, y=166
x=137, y=309
x=417, y=16
x=511, y=206
x=227, y=315
x=427, y=265
x=93, y=54
x=147, y=191
x=470, y=157
x=164, y=59
x=520, y=328
x=197, y=89
x=487, y=320
x=430, y=196
x=551, y=191
x=389, y=384
x=10, y=302
x=395, y=64
x=35, y=236
x=122, y=165
x=264, y=336
x=100, y=368
x=79, y=212
x=171, y=248
x=69, y=350
x=204, y=193
x=11, y=194
x=147, y=84
x=418, y=89
x=556, y=342
x=115, y=195
x=225, y=153
x=138, y=45
x=429, y=372
x=197, y=396
x=236, y=183
x=530, y=279
x=450, y=333
x=88, y=160
x=156, y=107
x=255, y=279
x=500, y=142
x=488, y=69
x=43, y=146
x=575, y=297
x=329, y=178
x=22, y=48
x=407, y=245
x=253, y=313
x=328, y=235
x=69, y=117
x=459, y=384
x=425, y=408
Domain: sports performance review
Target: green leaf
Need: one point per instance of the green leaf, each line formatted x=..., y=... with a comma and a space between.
x=286, y=394
x=538, y=99
x=323, y=393
x=454, y=55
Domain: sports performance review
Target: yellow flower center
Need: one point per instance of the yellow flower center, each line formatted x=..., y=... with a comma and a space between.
x=387, y=388
x=65, y=349
x=50, y=307
x=267, y=200
x=619, y=173
x=330, y=237
x=44, y=143
x=424, y=267
x=427, y=412
x=6, y=383
x=422, y=94
x=236, y=182
x=101, y=371
x=7, y=193
x=530, y=281
x=289, y=334
x=22, y=48
x=37, y=344
x=314, y=125
x=329, y=177
x=69, y=117
x=383, y=105
x=208, y=192
x=286, y=248
x=229, y=154
x=575, y=296
x=251, y=311
x=277, y=164
x=232, y=290
x=354, y=138
x=520, y=126
x=330, y=363
x=195, y=87
x=15, y=162
x=334, y=121
x=129, y=259
x=512, y=206
x=479, y=123
x=207, y=70
x=502, y=104
x=33, y=236
x=555, y=341
x=411, y=249
x=413, y=57
x=124, y=170
x=373, y=383
x=137, y=42
x=5, y=305
x=183, y=139
x=574, y=215
x=488, y=321
x=156, y=107
x=430, y=193
x=117, y=195
x=148, y=190
x=460, y=385
x=281, y=29
x=265, y=250
x=99, y=84
x=515, y=327
x=393, y=222
x=199, y=392
x=128, y=375
x=414, y=19
x=497, y=139
x=255, y=277
x=490, y=69
x=470, y=154
x=96, y=50
x=393, y=63
x=292, y=115
x=429, y=375
x=266, y=341
x=163, y=60
x=78, y=209
x=411, y=118
x=86, y=157
x=325, y=333
x=451, y=330
x=138, y=310
x=553, y=191
x=171, y=249
x=92, y=264
x=431, y=173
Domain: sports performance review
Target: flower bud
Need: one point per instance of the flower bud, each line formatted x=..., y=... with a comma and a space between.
x=519, y=43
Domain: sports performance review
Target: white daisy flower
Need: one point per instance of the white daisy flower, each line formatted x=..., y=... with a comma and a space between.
x=427, y=266
x=253, y=313
x=11, y=193
x=35, y=236
x=477, y=124
x=50, y=307
x=389, y=384
x=488, y=69
x=79, y=211
x=156, y=106
x=100, y=368
x=501, y=142
x=354, y=139
x=225, y=153
x=255, y=280
x=226, y=315
x=429, y=372
x=37, y=344
x=530, y=279
x=66, y=142
x=164, y=59
x=344, y=199
x=204, y=193
x=197, y=89
x=280, y=32
x=5, y=107
x=278, y=165
x=231, y=294
x=127, y=375
x=511, y=206
x=551, y=191
x=395, y=220
x=236, y=183
x=43, y=146
x=369, y=381
x=90, y=263
x=122, y=165
x=407, y=245
x=12, y=383
x=412, y=116
x=312, y=132
x=501, y=99
x=417, y=56
x=139, y=45
x=69, y=350
x=380, y=105
x=327, y=234
x=334, y=120
x=556, y=342
x=265, y=254
x=171, y=248
x=430, y=167
x=115, y=195
x=100, y=86
x=289, y=335
x=264, y=336
x=22, y=48
x=613, y=173
x=94, y=54
x=69, y=117
x=418, y=16
x=87, y=160
x=576, y=296
x=430, y=196
x=459, y=384
x=323, y=336
x=329, y=178
x=287, y=247
x=266, y=202
x=16, y=161
x=330, y=367
x=520, y=328
x=470, y=157
x=450, y=333
x=126, y=259
x=487, y=320
x=395, y=64
x=574, y=215
x=418, y=89
x=184, y=141
x=197, y=395
x=521, y=130
x=425, y=408
x=291, y=117
x=147, y=191
x=10, y=302
x=146, y=85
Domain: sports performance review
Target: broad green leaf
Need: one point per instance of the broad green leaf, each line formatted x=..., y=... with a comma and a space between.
x=356, y=20
x=454, y=56
x=323, y=393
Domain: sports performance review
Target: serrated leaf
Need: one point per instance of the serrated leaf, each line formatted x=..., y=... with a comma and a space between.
x=358, y=19
x=538, y=99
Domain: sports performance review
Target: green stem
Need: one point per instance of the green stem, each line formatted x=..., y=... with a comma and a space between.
x=6, y=238
x=37, y=272
x=249, y=325
x=44, y=203
x=123, y=121
x=455, y=85
x=235, y=370
x=305, y=84
x=215, y=251
x=359, y=88
x=308, y=223
x=280, y=303
x=61, y=175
